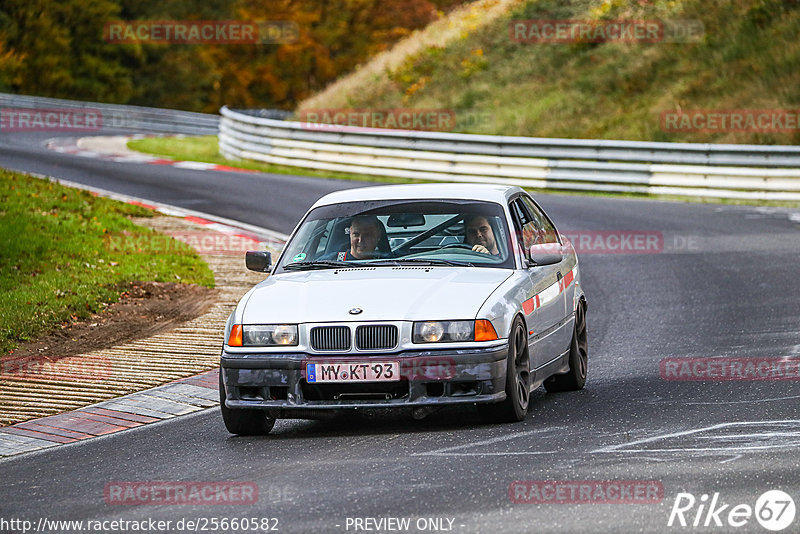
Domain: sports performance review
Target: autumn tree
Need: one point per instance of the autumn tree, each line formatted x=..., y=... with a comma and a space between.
x=57, y=49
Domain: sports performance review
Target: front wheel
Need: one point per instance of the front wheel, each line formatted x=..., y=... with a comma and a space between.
x=243, y=422
x=518, y=381
x=575, y=378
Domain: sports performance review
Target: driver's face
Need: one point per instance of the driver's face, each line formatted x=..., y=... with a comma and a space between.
x=363, y=240
x=479, y=232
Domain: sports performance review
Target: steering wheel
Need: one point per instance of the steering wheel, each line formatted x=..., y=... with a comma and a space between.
x=457, y=245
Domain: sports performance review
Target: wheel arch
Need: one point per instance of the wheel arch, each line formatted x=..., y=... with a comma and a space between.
x=519, y=313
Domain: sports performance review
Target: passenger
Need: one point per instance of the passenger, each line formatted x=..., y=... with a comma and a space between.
x=365, y=234
x=480, y=235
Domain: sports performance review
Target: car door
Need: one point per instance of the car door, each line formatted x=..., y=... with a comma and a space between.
x=543, y=303
x=547, y=233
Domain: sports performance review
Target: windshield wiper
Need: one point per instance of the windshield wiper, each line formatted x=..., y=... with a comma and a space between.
x=326, y=264
x=426, y=261
x=322, y=264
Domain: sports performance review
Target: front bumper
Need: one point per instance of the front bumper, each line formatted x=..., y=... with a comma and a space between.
x=276, y=382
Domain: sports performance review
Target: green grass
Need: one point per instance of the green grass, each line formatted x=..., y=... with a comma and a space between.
x=65, y=254
x=747, y=58
x=206, y=149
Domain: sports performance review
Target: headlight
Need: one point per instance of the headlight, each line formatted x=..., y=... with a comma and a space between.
x=429, y=332
x=269, y=335
x=461, y=331
x=443, y=331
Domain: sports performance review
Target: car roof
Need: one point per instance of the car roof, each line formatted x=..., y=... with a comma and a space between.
x=487, y=192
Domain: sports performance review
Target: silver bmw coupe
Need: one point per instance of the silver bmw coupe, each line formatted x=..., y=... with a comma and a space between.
x=407, y=297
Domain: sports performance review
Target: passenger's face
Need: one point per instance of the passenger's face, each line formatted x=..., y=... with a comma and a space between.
x=363, y=240
x=479, y=232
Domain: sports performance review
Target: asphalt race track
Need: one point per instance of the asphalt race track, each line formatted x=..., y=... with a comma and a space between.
x=724, y=282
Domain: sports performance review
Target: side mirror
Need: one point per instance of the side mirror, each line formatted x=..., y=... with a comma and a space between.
x=258, y=260
x=545, y=254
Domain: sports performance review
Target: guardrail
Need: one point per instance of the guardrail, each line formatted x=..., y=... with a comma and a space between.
x=686, y=169
x=115, y=117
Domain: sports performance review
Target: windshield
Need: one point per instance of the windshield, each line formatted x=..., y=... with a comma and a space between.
x=461, y=233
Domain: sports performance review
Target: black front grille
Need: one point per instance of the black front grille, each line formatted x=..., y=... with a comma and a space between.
x=379, y=336
x=330, y=338
x=365, y=391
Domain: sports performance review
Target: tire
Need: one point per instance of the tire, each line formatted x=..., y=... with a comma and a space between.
x=243, y=422
x=518, y=381
x=575, y=378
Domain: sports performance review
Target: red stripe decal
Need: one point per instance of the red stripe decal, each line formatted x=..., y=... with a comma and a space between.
x=565, y=281
x=568, y=279
x=531, y=304
x=528, y=306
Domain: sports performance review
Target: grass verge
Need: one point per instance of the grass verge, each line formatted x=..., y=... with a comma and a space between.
x=206, y=149
x=745, y=57
x=60, y=258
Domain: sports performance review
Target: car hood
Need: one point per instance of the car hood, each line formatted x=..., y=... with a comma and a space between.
x=383, y=293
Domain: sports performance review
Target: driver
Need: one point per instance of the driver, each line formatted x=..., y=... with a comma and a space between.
x=480, y=235
x=365, y=232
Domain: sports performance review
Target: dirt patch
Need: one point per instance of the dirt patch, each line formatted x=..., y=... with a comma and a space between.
x=144, y=309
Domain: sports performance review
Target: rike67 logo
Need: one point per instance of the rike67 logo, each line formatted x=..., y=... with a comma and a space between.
x=774, y=510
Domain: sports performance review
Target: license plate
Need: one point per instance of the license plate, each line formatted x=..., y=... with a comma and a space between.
x=352, y=372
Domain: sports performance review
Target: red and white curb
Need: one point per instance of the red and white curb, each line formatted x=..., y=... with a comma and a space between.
x=71, y=146
x=181, y=397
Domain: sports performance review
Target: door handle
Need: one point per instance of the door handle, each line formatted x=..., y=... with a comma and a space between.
x=559, y=276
